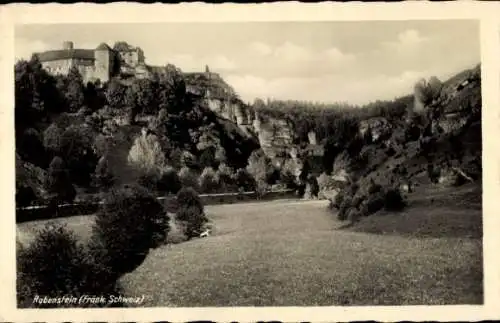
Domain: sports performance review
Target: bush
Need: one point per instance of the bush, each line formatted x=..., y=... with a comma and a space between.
x=187, y=197
x=55, y=265
x=50, y=266
x=191, y=212
x=393, y=200
x=128, y=224
x=192, y=220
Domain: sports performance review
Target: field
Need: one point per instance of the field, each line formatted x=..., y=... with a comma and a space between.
x=294, y=253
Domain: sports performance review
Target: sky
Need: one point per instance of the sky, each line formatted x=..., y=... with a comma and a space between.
x=355, y=62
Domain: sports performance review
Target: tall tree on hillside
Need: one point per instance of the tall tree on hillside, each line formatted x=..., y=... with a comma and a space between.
x=52, y=138
x=172, y=89
x=115, y=93
x=58, y=184
x=103, y=178
x=74, y=93
x=146, y=155
x=77, y=149
x=36, y=95
x=140, y=97
x=260, y=166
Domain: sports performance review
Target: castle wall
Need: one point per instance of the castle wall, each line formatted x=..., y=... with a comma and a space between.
x=57, y=67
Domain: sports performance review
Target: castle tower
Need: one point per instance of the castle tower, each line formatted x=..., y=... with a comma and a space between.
x=68, y=45
x=103, y=62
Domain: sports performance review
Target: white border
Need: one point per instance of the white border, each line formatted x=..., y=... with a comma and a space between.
x=487, y=12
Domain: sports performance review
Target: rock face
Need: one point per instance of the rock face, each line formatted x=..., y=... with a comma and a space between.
x=379, y=128
x=275, y=136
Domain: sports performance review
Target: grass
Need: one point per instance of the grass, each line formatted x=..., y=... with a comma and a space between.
x=285, y=253
x=277, y=254
x=432, y=212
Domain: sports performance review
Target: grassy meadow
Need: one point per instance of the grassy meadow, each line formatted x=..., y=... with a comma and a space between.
x=295, y=253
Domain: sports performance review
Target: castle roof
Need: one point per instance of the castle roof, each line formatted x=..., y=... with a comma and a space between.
x=103, y=46
x=53, y=55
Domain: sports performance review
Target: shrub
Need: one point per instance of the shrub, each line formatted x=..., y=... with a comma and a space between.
x=53, y=265
x=191, y=212
x=192, y=220
x=127, y=225
x=393, y=200
x=187, y=196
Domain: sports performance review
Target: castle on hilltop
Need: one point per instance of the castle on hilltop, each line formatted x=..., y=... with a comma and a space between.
x=124, y=60
x=100, y=63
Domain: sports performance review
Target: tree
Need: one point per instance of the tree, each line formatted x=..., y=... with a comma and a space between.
x=103, y=178
x=58, y=184
x=191, y=212
x=76, y=148
x=146, y=154
x=145, y=96
x=260, y=166
x=169, y=181
x=172, y=89
x=224, y=176
x=129, y=223
x=53, y=265
x=188, y=177
x=52, y=138
x=207, y=181
x=74, y=91
x=31, y=149
x=115, y=94
x=36, y=94
x=244, y=180
x=427, y=91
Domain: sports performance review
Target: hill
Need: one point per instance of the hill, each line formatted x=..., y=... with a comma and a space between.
x=198, y=121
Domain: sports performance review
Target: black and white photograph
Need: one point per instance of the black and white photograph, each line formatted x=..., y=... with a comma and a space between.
x=192, y=165
x=248, y=164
